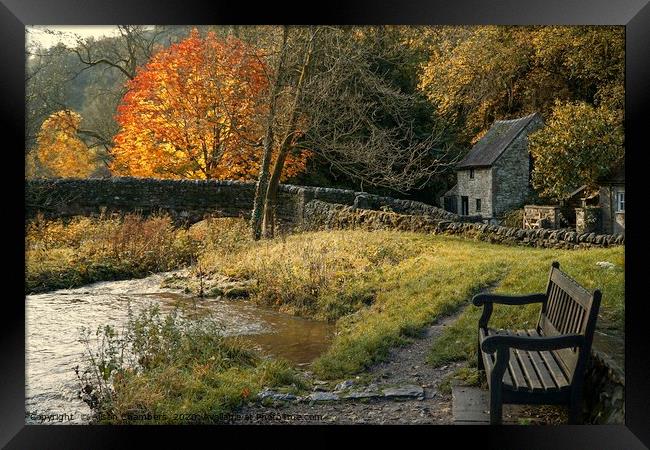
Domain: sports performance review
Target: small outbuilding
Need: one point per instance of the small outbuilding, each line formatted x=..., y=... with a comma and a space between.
x=494, y=177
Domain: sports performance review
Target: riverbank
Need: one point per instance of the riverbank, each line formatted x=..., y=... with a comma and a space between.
x=381, y=291
x=63, y=254
x=402, y=390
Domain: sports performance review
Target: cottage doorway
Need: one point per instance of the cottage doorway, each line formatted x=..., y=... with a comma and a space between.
x=464, y=205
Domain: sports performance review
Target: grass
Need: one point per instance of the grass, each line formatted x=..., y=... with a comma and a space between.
x=382, y=288
x=320, y=275
x=528, y=273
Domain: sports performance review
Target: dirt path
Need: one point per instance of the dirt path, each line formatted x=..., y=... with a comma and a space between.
x=406, y=366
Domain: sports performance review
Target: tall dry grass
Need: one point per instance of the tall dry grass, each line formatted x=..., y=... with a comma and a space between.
x=68, y=253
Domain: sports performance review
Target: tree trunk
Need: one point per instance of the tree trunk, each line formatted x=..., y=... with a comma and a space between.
x=263, y=179
x=274, y=182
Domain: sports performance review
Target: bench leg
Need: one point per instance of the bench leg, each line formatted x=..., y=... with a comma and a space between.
x=496, y=388
x=575, y=410
x=496, y=406
x=479, y=361
x=575, y=403
x=575, y=415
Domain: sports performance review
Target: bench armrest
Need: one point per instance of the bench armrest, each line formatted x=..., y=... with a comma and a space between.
x=534, y=343
x=482, y=299
x=487, y=300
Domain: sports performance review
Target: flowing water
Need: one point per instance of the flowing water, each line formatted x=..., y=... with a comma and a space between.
x=53, y=331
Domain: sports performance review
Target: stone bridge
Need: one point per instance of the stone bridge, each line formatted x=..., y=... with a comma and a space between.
x=191, y=200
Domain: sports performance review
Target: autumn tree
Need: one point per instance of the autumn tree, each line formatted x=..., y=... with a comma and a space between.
x=476, y=75
x=47, y=87
x=191, y=113
x=579, y=143
x=60, y=152
x=330, y=97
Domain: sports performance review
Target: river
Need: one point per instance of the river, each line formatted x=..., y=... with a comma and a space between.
x=53, y=330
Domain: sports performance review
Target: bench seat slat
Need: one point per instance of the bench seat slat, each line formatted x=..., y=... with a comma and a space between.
x=520, y=383
x=529, y=371
x=553, y=363
x=540, y=367
x=526, y=365
x=555, y=370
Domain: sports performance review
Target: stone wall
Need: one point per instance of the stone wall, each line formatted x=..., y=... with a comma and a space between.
x=183, y=199
x=541, y=216
x=191, y=200
x=319, y=215
x=604, y=394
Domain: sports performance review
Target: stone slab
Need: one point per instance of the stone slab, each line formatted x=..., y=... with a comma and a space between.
x=471, y=406
x=409, y=391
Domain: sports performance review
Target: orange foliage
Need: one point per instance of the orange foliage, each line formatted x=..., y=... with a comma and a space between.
x=60, y=152
x=191, y=113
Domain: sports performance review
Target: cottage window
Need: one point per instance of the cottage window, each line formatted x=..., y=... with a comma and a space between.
x=620, y=201
x=478, y=205
x=471, y=174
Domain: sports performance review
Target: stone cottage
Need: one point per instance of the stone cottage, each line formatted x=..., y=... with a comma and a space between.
x=494, y=177
x=612, y=201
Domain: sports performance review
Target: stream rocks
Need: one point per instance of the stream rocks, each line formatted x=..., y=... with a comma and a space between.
x=372, y=391
x=363, y=395
x=212, y=285
x=344, y=385
x=278, y=396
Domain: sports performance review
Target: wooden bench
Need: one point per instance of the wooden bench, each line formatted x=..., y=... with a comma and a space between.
x=545, y=365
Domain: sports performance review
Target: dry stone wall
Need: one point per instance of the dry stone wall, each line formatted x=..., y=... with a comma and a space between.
x=604, y=394
x=320, y=215
x=536, y=216
x=299, y=207
x=192, y=200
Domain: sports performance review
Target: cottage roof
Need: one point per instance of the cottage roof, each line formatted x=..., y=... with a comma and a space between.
x=500, y=135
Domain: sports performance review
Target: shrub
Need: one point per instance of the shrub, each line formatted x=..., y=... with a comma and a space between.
x=171, y=369
x=514, y=218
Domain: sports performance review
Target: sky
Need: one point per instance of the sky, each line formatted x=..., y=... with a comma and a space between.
x=66, y=33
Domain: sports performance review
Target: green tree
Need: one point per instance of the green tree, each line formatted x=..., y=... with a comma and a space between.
x=476, y=75
x=579, y=143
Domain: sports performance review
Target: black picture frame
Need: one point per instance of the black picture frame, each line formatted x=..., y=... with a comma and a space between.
x=633, y=14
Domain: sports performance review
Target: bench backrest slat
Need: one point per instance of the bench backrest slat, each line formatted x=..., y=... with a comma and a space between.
x=569, y=309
